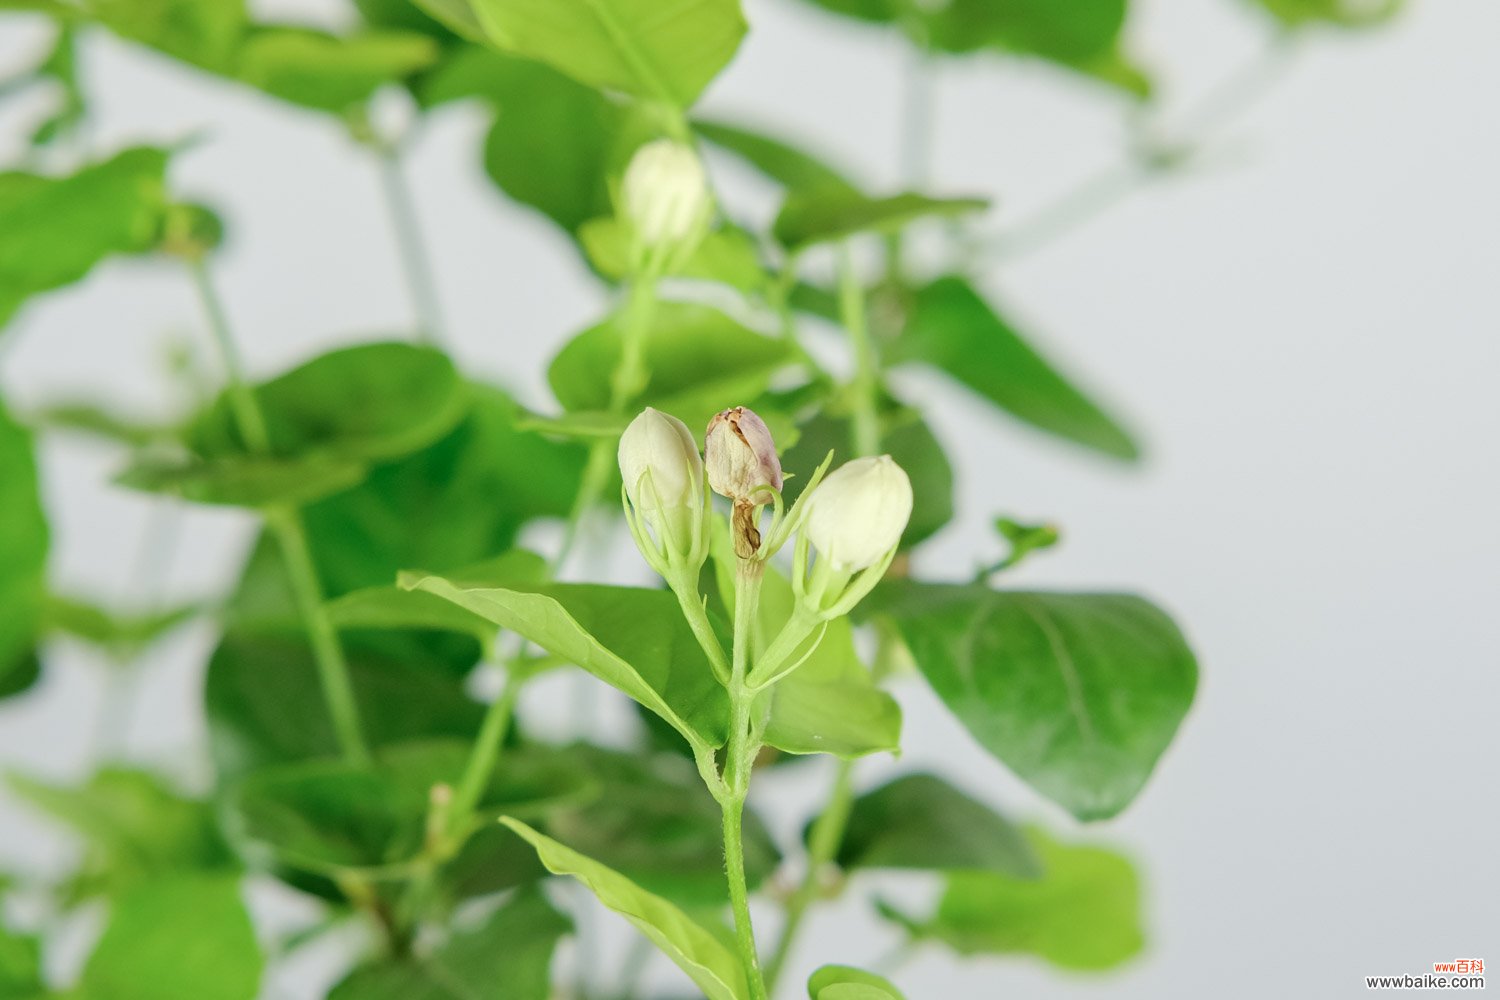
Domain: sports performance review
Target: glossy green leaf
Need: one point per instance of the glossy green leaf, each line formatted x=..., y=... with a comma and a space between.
x=632, y=639
x=700, y=361
x=640, y=47
x=822, y=215
x=1084, y=913
x=953, y=329
x=134, y=829
x=508, y=956
x=329, y=817
x=564, y=173
x=243, y=480
x=727, y=256
x=396, y=607
x=54, y=230
x=23, y=552
x=907, y=438
x=183, y=937
x=921, y=822
x=330, y=72
x=842, y=982
x=1079, y=694
x=372, y=402
x=657, y=825
x=783, y=163
x=265, y=704
x=712, y=966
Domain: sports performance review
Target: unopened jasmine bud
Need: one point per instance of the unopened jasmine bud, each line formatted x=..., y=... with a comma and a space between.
x=665, y=197
x=741, y=456
x=663, y=478
x=856, y=516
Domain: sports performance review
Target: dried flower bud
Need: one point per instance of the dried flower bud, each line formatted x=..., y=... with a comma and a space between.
x=856, y=516
x=740, y=456
x=663, y=477
x=664, y=196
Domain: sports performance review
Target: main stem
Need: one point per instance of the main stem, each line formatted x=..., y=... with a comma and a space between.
x=739, y=758
x=409, y=243
x=285, y=524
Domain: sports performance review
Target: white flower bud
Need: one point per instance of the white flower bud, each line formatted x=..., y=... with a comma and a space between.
x=741, y=456
x=664, y=196
x=856, y=516
x=663, y=477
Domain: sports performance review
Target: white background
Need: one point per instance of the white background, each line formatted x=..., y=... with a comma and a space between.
x=1304, y=332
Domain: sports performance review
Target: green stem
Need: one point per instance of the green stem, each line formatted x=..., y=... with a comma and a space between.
x=413, y=249
x=739, y=758
x=285, y=523
x=486, y=753
x=685, y=586
x=865, y=387
x=823, y=845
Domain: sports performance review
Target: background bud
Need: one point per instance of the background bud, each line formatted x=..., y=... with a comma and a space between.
x=740, y=455
x=665, y=196
x=670, y=499
x=857, y=514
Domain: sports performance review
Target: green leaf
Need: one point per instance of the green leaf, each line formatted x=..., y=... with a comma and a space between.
x=907, y=438
x=23, y=552
x=265, y=705
x=823, y=215
x=953, y=329
x=700, y=361
x=1079, y=694
x=919, y=821
x=20, y=966
x=1085, y=913
x=785, y=164
x=373, y=402
x=54, y=230
x=97, y=421
x=124, y=633
x=506, y=957
x=1342, y=13
x=667, y=53
x=329, y=72
x=727, y=256
x=563, y=173
x=329, y=817
x=182, y=938
x=632, y=639
x=135, y=829
x=205, y=33
x=243, y=480
x=1077, y=32
x=396, y=607
x=841, y=982
x=657, y=825
x=712, y=967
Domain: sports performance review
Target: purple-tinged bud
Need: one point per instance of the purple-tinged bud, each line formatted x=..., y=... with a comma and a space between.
x=740, y=457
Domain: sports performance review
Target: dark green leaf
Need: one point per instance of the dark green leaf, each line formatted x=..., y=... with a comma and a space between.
x=712, y=966
x=700, y=362
x=788, y=166
x=1079, y=694
x=330, y=72
x=919, y=821
x=823, y=215
x=1085, y=913
x=20, y=966
x=954, y=329
x=181, y=938
x=1076, y=32
x=635, y=640
x=667, y=53
x=23, y=551
x=507, y=957
x=53, y=230
x=243, y=480
x=657, y=825
x=265, y=704
x=841, y=982
x=373, y=402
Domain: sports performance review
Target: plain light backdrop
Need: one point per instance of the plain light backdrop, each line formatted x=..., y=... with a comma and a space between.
x=1303, y=330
